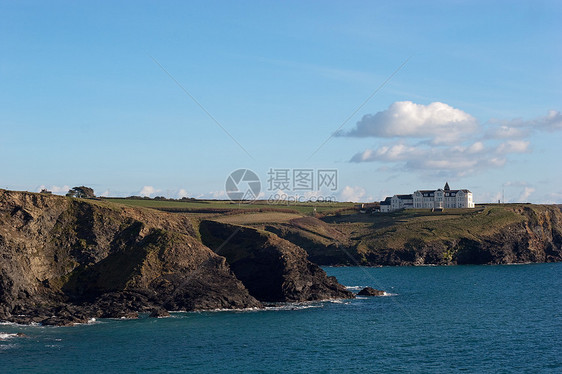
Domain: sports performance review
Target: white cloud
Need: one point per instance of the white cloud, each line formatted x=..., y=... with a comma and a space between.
x=513, y=146
x=350, y=193
x=476, y=147
x=437, y=139
x=526, y=193
x=551, y=122
x=451, y=160
x=396, y=152
x=507, y=132
x=439, y=122
x=148, y=191
x=182, y=193
x=105, y=193
x=520, y=128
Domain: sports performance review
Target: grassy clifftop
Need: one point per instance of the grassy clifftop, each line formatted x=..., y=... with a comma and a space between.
x=336, y=234
x=491, y=233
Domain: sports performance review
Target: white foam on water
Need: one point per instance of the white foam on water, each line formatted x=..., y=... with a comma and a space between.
x=276, y=307
x=4, y=347
x=389, y=294
x=91, y=321
x=6, y=336
x=295, y=306
x=11, y=324
x=340, y=301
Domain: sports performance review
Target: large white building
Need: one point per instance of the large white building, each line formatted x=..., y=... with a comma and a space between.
x=429, y=199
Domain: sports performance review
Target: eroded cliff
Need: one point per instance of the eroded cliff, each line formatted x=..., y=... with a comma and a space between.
x=500, y=234
x=65, y=260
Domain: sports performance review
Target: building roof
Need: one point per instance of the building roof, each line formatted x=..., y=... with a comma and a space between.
x=404, y=197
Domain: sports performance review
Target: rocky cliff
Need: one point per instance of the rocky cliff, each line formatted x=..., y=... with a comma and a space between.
x=65, y=260
x=271, y=268
x=501, y=234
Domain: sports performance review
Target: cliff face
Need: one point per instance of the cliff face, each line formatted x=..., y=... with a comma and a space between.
x=506, y=234
x=58, y=253
x=64, y=260
x=273, y=269
x=537, y=237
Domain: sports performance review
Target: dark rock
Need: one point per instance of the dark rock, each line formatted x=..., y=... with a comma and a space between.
x=159, y=313
x=368, y=291
x=62, y=321
x=271, y=268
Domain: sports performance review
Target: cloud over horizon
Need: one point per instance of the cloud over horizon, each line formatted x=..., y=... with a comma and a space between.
x=445, y=140
x=148, y=191
x=353, y=194
x=438, y=122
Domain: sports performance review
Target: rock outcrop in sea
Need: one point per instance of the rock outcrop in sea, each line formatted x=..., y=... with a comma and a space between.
x=369, y=291
x=273, y=269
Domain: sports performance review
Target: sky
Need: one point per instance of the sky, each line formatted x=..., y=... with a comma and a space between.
x=165, y=98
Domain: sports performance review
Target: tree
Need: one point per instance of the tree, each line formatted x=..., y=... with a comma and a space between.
x=81, y=192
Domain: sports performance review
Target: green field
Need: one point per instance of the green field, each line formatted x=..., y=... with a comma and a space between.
x=222, y=206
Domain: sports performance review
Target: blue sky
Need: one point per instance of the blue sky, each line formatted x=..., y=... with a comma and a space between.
x=477, y=102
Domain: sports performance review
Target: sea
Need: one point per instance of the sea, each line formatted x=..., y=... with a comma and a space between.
x=442, y=319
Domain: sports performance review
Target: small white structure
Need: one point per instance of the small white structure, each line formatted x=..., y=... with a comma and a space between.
x=386, y=205
x=430, y=199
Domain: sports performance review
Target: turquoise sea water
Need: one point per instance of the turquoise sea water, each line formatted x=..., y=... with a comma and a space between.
x=476, y=319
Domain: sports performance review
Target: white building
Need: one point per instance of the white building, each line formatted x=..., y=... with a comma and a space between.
x=430, y=199
x=401, y=202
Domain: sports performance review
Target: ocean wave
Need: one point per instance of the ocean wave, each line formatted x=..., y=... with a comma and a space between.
x=271, y=307
x=389, y=294
x=296, y=306
x=6, y=336
x=19, y=324
x=7, y=346
x=91, y=321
